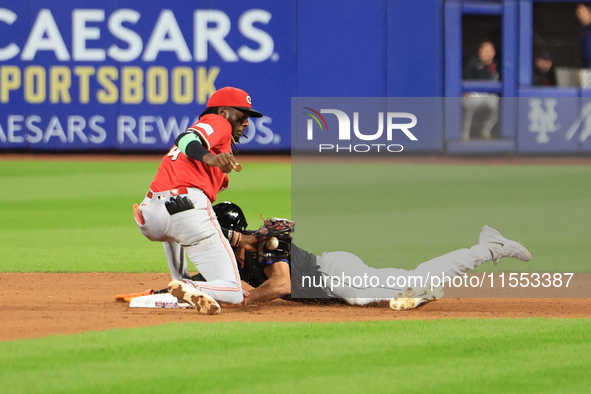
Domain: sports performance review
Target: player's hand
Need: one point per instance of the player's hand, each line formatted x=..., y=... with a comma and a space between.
x=250, y=243
x=247, y=243
x=224, y=161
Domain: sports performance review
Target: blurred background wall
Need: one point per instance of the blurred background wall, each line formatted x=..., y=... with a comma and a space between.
x=117, y=75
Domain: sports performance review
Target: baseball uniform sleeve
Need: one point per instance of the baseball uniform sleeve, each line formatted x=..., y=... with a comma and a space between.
x=213, y=130
x=190, y=144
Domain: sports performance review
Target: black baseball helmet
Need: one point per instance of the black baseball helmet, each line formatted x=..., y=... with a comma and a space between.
x=230, y=216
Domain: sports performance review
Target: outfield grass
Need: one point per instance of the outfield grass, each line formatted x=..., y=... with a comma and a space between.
x=447, y=356
x=402, y=214
x=77, y=217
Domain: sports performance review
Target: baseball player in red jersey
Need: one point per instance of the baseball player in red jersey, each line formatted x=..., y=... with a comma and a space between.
x=177, y=209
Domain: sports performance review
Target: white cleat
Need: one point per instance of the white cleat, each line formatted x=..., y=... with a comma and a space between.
x=187, y=292
x=411, y=298
x=500, y=246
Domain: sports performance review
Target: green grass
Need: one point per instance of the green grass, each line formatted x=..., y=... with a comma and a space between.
x=76, y=216
x=447, y=356
x=401, y=215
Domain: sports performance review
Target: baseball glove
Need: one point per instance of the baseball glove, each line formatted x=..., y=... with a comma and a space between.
x=275, y=238
x=178, y=204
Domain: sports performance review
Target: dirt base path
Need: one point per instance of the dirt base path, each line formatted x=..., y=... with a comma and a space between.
x=34, y=305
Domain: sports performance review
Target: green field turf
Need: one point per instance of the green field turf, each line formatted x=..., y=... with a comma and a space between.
x=444, y=356
x=76, y=217
x=402, y=214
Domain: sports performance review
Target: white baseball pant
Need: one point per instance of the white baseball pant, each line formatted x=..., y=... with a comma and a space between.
x=346, y=276
x=198, y=232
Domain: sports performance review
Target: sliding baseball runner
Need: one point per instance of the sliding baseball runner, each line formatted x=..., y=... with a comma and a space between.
x=285, y=270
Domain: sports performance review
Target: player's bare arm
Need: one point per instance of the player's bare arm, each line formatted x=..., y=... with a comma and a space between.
x=249, y=243
x=225, y=161
x=276, y=286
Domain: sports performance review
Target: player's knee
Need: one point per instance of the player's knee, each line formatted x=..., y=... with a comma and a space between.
x=234, y=297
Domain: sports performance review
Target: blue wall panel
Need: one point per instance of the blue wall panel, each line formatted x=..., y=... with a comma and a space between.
x=415, y=48
x=149, y=70
x=545, y=117
x=341, y=48
x=274, y=50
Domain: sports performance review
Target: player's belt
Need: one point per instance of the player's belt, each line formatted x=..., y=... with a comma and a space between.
x=173, y=192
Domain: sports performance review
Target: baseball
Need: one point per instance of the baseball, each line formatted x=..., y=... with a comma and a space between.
x=272, y=243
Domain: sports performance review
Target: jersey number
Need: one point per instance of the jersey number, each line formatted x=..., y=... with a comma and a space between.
x=174, y=153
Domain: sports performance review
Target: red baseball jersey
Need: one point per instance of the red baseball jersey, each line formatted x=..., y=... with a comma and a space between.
x=178, y=170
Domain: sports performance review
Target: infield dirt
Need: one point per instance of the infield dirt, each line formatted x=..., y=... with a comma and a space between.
x=34, y=305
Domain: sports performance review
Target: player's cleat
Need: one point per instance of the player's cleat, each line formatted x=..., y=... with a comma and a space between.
x=411, y=297
x=202, y=302
x=500, y=246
